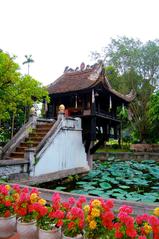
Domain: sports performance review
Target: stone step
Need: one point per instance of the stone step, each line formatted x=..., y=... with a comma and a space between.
x=36, y=138
x=17, y=155
x=37, y=134
x=46, y=126
x=42, y=130
x=21, y=149
x=24, y=144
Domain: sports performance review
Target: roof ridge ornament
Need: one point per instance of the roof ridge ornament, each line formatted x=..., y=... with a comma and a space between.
x=95, y=74
x=82, y=66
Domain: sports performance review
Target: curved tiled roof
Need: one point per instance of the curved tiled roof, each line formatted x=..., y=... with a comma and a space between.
x=80, y=80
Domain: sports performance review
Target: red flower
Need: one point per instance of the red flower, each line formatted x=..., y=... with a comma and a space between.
x=59, y=214
x=22, y=211
x=131, y=232
x=141, y=218
x=8, y=203
x=65, y=205
x=7, y=214
x=42, y=210
x=59, y=223
x=71, y=225
x=118, y=234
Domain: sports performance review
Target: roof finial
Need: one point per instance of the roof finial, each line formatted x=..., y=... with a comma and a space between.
x=82, y=66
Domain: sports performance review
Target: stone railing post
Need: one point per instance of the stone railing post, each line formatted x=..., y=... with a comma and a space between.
x=30, y=157
x=33, y=116
x=61, y=113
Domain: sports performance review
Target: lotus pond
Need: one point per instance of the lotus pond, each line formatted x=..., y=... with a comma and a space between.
x=126, y=180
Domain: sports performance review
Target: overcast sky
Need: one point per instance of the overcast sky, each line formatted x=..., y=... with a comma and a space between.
x=58, y=33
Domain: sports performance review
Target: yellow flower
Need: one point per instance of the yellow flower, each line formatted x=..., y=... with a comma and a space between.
x=42, y=201
x=88, y=218
x=92, y=224
x=156, y=211
x=96, y=203
x=16, y=196
x=95, y=212
x=33, y=197
x=86, y=208
x=147, y=228
x=8, y=187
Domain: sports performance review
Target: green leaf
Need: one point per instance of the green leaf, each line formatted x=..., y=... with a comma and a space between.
x=105, y=185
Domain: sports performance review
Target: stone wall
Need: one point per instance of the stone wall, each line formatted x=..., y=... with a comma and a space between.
x=127, y=156
x=64, y=149
x=145, y=147
x=13, y=169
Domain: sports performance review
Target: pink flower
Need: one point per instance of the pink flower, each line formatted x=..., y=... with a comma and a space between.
x=71, y=201
x=126, y=209
x=34, y=190
x=25, y=190
x=82, y=199
x=66, y=205
x=16, y=187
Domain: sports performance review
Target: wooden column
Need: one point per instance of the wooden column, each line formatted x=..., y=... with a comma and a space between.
x=93, y=119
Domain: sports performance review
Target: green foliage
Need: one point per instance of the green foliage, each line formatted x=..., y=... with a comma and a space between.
x=131, y=64
x=153, y=117
x=17, y=94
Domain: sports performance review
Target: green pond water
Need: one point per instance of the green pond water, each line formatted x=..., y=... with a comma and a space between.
x=126, y=180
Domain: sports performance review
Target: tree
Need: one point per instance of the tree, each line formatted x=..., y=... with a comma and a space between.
x=137, y=67
x=9, y=75
x=153, y=116
x=28, y=61
x=17, y=94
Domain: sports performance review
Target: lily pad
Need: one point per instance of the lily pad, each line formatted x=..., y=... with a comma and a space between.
x=124, y=186
x=97, y=192
x=105, y=185
x=60, y=188
x=77, y=191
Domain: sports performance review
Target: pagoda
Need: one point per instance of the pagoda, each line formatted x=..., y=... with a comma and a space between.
x=87, y=93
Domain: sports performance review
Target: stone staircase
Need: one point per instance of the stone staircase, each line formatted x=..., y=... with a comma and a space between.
x=34, y=138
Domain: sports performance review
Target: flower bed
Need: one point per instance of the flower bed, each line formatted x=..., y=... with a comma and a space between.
x=96, y=219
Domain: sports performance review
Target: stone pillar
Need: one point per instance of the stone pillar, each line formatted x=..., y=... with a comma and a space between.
x=30, y=156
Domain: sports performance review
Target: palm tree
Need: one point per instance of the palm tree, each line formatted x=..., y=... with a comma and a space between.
x=28, y=61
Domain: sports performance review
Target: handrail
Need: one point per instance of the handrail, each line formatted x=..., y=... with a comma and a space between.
x=55, y=128
x=17, y=138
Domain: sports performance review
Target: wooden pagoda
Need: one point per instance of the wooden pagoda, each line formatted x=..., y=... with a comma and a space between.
x=86, y=93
